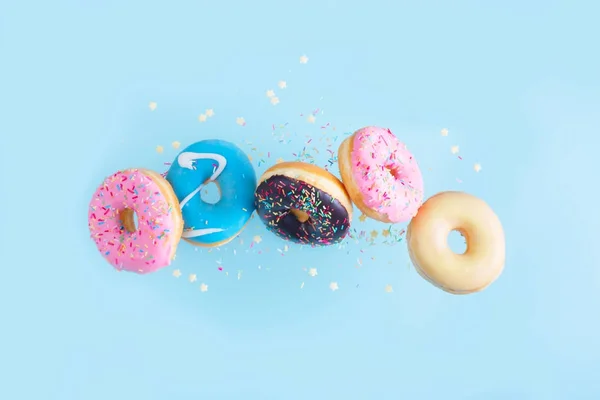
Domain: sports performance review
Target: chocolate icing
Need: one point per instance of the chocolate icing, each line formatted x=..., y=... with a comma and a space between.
x=278, y=195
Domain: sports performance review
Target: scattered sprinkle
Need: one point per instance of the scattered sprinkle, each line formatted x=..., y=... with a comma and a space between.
x=152, y=106
x=319, y=147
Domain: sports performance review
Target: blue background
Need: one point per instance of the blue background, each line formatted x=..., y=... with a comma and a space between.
x=515, y=83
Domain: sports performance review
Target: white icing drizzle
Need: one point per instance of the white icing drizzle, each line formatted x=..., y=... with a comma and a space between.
x=186, y=160
x=200, y=232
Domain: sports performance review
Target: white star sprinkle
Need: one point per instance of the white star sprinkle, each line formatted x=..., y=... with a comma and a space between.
x=240, y=121
x=454, y=149
x=270, y=93
x=202, y=118
x=333, y=286
x=177, y=273
x=303, y=60
x=477, y=167
x=192, y=278
x=444, y=132
x=209, y=113
x=311, y=118
x=152, y=106
x=204, y=287
x=257, y=239
x=274, y=100
x=282, y=84
x=312, y=272
x=388, y=289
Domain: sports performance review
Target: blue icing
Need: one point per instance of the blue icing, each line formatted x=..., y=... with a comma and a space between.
x=206, y=223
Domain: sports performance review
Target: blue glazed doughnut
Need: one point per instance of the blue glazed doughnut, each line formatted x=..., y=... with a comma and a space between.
x=226, y=165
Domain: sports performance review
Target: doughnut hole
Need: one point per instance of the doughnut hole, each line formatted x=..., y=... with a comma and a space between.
x=211, y=193
x=394, y=171
x=300, y=215
x=129, y=220
x=457, y=241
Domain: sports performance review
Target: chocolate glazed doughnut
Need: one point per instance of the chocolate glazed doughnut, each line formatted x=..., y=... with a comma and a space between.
x=304, y=204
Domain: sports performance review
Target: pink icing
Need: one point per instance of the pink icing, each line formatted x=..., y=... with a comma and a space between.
x=386, y=174
x=145, y=250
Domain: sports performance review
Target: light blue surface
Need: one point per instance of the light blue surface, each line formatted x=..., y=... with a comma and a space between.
x=234, y=175
x=516, y=84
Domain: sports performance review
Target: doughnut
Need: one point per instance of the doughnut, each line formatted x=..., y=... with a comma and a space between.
x=427, y=239
x=226, y=165
x=381, y=175
x=151, y=243
x=303, y=203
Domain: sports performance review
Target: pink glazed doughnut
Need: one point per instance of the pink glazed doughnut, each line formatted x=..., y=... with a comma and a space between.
x=381, y=176
x=151, y=243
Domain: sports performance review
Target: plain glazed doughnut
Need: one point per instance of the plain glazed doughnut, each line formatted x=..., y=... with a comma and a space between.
x=151, y=244
x=226, y=165
x=427, y=239
x=381, y=175
x=303, y=203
